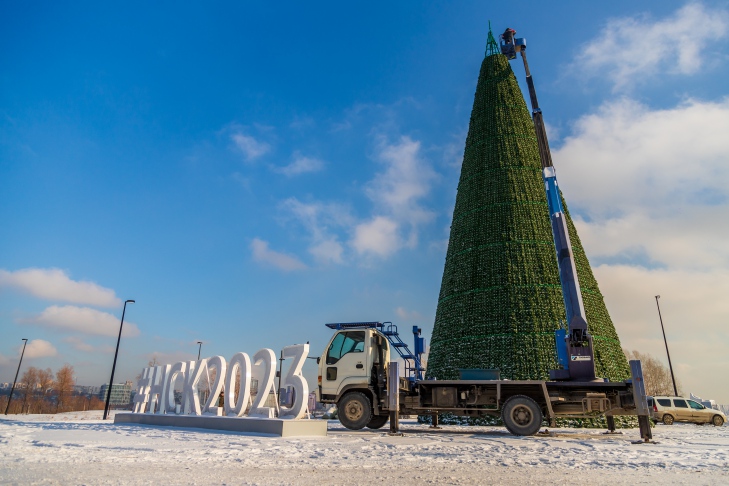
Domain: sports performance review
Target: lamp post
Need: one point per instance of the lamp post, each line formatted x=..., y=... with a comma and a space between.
x=670, y=367
x=113, y=367
x=10, y=397
x=199, y=348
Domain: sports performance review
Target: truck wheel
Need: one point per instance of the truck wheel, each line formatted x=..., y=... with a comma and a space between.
x=668, y=419
x=717, y=420
x=377, y=421
x=522, y=415
x=355, y=410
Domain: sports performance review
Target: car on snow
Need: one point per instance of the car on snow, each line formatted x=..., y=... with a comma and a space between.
x=678, y=409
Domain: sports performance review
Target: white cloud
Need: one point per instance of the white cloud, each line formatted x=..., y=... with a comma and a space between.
x=378, y=236
x=300, y=165
x=82, y=319
x=38, y=348
x=631, y=51
x=651, y=182
x=249, y=146
x=396, y=193
x=327, y=251
x=55, y=284
x=406, y=180
x=321, y=221
x=262, y=253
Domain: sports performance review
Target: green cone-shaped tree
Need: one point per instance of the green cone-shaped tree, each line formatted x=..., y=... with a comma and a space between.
x=500, y=299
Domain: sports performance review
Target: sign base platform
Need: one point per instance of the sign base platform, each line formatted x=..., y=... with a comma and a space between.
x=274, y=427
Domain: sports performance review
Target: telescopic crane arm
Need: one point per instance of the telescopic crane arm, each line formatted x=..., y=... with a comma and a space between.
x=574, y=347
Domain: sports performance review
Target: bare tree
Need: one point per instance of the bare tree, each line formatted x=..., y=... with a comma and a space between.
x=45, y=385
x=656, y=376
x=64, y=387
x=29, y=382
x=151, y=362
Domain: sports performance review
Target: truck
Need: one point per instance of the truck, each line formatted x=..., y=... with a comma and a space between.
x=353, y=374
x=355, y=368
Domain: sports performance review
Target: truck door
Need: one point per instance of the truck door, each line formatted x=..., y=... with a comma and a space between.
x=346, y=362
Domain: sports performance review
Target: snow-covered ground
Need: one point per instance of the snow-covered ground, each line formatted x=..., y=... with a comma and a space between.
x=78, y=448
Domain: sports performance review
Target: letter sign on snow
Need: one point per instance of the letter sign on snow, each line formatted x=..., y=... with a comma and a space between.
x=297, y=380
x=211, y=407
x=240, y=361
x=168, y=403
x=190, y=397
x=142, y=397
x=264, y=371
x=156, y=387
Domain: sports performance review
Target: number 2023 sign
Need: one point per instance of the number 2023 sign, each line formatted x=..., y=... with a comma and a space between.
x=155, y=390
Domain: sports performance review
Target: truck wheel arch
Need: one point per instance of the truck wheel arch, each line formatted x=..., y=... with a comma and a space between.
x=537, y=392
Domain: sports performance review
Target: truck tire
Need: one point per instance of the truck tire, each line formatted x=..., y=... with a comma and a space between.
x=522, y=415
x=717, y=420
x=355, y=410
x=377, y=421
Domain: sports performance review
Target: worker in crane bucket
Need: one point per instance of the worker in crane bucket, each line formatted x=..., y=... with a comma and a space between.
x=508, y=35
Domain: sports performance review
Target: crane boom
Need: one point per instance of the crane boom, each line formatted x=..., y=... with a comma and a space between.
x=574, y=346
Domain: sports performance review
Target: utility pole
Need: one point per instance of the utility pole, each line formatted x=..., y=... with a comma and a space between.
x=10, y=397
x=670, y=367
x=113, y=367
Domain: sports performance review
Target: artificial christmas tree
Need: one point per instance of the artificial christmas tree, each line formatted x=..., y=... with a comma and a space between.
x=500, y=298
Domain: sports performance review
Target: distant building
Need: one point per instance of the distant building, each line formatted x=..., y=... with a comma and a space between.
x=86, y=390
x=121, y=393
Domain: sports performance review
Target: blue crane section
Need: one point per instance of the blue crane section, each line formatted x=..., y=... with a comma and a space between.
x=574, y=345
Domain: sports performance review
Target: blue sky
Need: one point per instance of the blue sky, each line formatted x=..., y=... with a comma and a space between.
x=248, y=172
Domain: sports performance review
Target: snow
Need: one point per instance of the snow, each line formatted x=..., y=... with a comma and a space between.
x=80, y=448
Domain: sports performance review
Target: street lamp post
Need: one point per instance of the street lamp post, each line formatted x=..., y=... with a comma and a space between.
x=10, y=397
x=199, y=348
x=113, y=367
x=670, y=367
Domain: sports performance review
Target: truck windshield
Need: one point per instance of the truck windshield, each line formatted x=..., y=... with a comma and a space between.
x=343, y=343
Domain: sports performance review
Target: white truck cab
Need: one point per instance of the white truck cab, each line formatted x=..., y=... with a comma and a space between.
x=353, y=374
x=353, y=359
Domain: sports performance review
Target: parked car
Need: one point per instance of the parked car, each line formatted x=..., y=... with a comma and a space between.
x=679, y=409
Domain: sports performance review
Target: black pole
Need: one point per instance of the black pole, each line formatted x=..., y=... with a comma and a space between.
x=199, y=348
x=113, y=367
x=670, y=367
x=10, y=397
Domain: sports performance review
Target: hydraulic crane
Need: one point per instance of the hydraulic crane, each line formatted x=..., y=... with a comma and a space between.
x=574, y=345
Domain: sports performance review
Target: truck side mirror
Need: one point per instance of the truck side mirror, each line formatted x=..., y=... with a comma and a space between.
x=318, y=359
